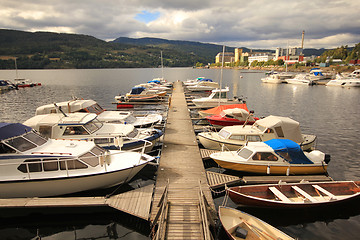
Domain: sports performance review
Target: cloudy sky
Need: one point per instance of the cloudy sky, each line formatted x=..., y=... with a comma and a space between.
x=235, y=23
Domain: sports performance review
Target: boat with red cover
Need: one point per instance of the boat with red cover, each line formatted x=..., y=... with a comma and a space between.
x=230, y=117
x=296, y=195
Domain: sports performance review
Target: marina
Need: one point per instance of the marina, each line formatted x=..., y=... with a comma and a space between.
x=180, y=203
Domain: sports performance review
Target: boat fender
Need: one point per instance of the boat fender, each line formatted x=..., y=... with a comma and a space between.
x=241, y=233
x=268, y=170
x=327, y=158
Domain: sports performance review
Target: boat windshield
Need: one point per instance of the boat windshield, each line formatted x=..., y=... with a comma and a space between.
x=261, y=128
x=95, y=109
x=130, y=119
x=93, y=126
x=245, y=153
x=224, y=134
x=133, y=133
x=26, y=142
x=223, y=95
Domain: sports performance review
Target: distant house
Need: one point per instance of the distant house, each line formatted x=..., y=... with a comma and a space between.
x=55, y=59
x=228, y=57
x=260, y=57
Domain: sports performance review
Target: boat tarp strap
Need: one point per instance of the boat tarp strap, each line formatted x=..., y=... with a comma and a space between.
x=296, y=154
x=9, y=130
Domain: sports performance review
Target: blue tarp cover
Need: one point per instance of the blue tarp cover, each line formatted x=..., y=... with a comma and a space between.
x=292, y=148
x=9, y=130
x=154, y=81
x=137, y=90
x=205, y=80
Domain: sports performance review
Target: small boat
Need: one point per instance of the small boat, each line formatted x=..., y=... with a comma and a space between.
x=296, y=195
x=86, y=126
x=273, y=78
x=240, y=225
x=195, y=81
x=300, y=79
x=34, y=166
x=341, y=81
x=230, y=117
x=22, y=83
x=203, y=85
x=355, y=73
x=235, y=137
x=91, y=106
x=6, y=85
x=217, y=110
x=216, y=98
x=141, y=94
x=273, y=157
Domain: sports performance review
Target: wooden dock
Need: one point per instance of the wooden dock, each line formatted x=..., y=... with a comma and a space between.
x=182, y=176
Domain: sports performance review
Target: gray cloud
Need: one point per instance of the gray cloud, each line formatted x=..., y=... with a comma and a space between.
x=237, y=23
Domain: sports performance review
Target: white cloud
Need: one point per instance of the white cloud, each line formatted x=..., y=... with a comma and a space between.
x=238, y=23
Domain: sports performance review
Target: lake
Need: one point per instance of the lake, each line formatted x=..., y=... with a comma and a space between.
x=331, y=113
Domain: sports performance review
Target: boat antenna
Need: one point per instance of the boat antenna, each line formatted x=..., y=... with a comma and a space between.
x=162, y=66
x=59, y=108
x=221, y=73
x=16, y=70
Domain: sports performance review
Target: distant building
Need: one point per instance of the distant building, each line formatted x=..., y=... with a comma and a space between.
x=228, y=57
x=289, y=55
x=260, y=57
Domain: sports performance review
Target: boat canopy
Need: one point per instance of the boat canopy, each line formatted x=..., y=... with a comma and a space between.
x=217, y=110
x=154, y=81
x=284, y=127
x=282, y=146
x=75, y=105
x=9, y=130
x=205, y=80
x=137, y=90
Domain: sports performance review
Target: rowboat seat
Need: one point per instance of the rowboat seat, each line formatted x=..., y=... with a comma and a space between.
x=324, y=191
x=305, y=194
x=279, y=194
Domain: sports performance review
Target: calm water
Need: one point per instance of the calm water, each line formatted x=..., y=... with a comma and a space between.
x=330, y=113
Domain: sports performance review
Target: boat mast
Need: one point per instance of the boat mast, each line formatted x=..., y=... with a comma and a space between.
x=16, y=71
x=162, y=66
x=287, y=54
x=221, y=73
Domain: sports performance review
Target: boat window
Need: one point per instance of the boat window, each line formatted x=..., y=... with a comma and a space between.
x=34, y=165
x=237, y=137
x=264, y=156
x=130, y=119
x=90, y=159
x=95, y=109
x=6, y=149
x=269, y=130
x=93, y=126
x=279, y=131
x=223, y=95
x=253, y=138
x=229, y=116
x=103, y=140
x=285, y=155
x=21, y=144
x=72, y=164
x=245, y=153
x=35, y=138
x=45, y=131
x=261, y=128
x=98, y=151
x=51, y=164
x=133, y=133
x=75, y=130
x=224, y=134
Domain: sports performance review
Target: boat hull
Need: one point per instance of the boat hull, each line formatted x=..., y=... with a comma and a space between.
x=66, y=185
x=345, y=192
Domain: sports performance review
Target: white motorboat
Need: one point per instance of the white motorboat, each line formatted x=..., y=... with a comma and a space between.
x=301, y=79
x=91, y=106
x=138, y=94
x=275, y=156
x=341, y=81
x=355, y=73
x=203, y=85
x=216, y=98
x=273, y=78
x=6, y=85
x=34, y=166
x=193, y=81
x=86, y=126
x=235, y=137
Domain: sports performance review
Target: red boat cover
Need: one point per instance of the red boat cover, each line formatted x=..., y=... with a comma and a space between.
x=219, y=109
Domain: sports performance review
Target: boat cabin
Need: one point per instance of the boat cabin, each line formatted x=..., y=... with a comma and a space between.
x=76, y=105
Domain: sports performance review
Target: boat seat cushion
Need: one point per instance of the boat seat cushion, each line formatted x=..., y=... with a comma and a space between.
x=240, y=232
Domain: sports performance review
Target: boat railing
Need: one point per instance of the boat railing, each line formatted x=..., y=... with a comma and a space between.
x=119, y=142
x=158, y=225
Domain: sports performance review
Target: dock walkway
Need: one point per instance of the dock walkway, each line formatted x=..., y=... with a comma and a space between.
x=182, y=170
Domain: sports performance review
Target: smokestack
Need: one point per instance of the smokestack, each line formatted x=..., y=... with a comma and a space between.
x=302, y=39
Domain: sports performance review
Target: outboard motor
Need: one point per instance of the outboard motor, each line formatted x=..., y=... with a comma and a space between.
x=327, y=158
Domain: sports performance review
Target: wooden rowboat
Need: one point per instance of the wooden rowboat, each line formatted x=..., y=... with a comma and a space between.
x=240, y=225
x=297, y=195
